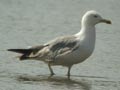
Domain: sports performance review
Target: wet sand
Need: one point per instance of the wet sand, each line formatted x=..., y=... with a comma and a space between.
x=26, y=23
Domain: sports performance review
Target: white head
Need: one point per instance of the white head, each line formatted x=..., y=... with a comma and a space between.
x=91, y=18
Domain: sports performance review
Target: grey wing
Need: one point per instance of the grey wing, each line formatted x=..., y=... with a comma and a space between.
x=35, y=50
x=55, y=48
x=63, y=45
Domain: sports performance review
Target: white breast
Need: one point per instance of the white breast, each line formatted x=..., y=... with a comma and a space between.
x=86, y=42
x=86, y=39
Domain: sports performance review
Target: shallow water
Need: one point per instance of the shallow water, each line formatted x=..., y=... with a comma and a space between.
x=27, y=23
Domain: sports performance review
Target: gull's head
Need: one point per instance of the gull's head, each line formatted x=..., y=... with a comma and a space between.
x=91, y=18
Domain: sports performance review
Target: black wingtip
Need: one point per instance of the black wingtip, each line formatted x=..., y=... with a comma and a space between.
x=14, y=50
x=9, y=49
x=22, y=51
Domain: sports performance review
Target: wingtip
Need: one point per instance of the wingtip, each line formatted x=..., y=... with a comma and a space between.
x=10, y=49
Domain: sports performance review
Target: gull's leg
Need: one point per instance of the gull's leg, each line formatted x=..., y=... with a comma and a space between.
x=68, y=74
x=51, y=71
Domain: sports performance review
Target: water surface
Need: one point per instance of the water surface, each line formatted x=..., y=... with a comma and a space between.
x=26, y=23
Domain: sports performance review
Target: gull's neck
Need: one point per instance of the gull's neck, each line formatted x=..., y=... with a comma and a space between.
x=87, y=27
x=86, y=31
x=86, y=38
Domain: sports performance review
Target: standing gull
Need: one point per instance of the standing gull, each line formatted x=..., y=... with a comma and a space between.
x=67, y=50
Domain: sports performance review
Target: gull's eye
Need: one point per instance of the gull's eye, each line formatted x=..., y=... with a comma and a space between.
x=95, y=16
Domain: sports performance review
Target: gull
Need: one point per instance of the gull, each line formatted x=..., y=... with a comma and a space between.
x=67, y=50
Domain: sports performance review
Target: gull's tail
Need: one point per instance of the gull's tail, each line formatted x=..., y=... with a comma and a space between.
x=29, y=53
x=25, y=53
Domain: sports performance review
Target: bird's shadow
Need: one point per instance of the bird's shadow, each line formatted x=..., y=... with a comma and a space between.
x=57, y=81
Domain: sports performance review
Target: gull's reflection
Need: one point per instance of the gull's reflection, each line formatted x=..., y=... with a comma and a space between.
x=56, y=81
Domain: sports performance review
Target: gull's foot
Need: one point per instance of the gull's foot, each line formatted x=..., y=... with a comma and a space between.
x=51, y=75
x=68, y=77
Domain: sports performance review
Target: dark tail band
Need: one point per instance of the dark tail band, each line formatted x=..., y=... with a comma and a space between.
x=25, y=53
x=22, y=51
